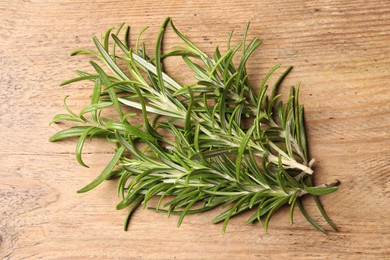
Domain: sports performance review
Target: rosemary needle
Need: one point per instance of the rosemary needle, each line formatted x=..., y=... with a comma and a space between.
x=213, y=160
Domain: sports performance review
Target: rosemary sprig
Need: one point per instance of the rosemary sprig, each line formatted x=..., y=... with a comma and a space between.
x=213, y=160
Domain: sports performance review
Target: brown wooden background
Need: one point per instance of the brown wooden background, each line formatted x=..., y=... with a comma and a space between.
x=341, y=54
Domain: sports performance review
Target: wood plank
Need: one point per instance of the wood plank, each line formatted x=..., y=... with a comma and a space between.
x=340, y=52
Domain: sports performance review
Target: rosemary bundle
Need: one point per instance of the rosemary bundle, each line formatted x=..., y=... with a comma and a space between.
x=214, y=143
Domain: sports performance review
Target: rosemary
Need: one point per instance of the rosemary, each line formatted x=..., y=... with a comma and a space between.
x=230, y=148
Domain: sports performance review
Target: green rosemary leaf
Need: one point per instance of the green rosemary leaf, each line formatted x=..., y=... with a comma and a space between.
x=238, y=208
x=212, y=153
x=129, y=145
x=187, y=208
x=181, y=53
x=288, y=127
x=247, y=53
x=267, y=205
x=234, y=210
x=95, y=107
x=89, y=77
x=245, y=35
x=296, y=115
x=222, y=101
x=132, y=208
x=131, y=196
x=217, y=56
x=66, y=117
x=201, y=72
x=155, y=190
x=241, y=150
x=150, y=109
x=106, y=81
x=317, y=191
x=258, y=175
x=150, y=130
x=158, y=54
x=188, y=42
x=277, y=84
x=126, y=37
x=83, y=52
x=146, y=65
x=121, y=188
x=303, y=142
x=290, y=180
x=106, y=172
x=229, y=68
x=106, y=38
x=97, y=90
x=321, y=209
x=167, y=192
x=121, y=45
x=232, y=119
x=226, y=193
x=180, y=197
x=292, y=201
x=98, y=132
x=323, y=213
x=260, y=99
x=141, y=176
x=281, y=182
x=308, y=218
x=276, y=205
x=139, y=37
x=116, y=174
x=68, y=133
x=187, y=121
x=114, y=45
x=219, y=61
x=129, y=129
x=255, y=197
x=109, y=61
x=191, y=211
x=68, y=109
x=80, y=144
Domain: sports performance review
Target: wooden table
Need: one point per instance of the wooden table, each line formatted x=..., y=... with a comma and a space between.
x=341, y=54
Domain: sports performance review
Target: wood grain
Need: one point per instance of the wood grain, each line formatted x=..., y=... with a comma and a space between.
x=340, y=50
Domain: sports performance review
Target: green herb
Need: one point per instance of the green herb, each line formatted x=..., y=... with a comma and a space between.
x=230, y=148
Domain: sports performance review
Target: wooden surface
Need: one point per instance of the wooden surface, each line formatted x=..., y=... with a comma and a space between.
x=341, y=54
